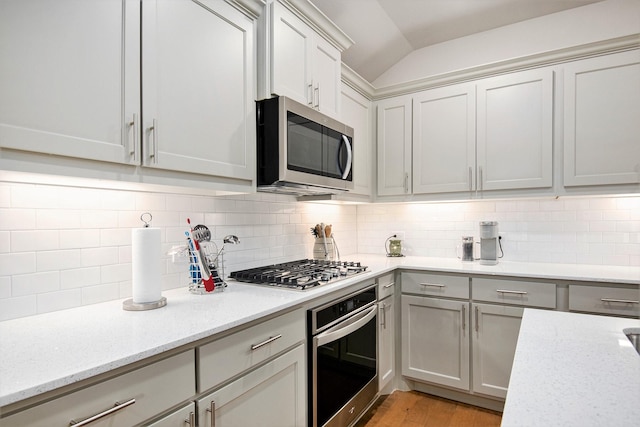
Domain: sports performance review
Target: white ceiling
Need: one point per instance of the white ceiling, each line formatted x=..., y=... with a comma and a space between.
x=385, y=31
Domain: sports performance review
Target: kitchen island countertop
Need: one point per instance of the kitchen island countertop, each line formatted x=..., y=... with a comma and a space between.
x=44, y=352
x=573, y=369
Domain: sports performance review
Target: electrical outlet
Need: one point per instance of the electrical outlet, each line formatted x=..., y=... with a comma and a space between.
x=399, y=235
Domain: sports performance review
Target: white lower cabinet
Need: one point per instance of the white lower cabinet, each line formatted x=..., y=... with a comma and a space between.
x=435, y=341
x=493, y=343
x=272, y=395
x=138, y=396
x=386, y=330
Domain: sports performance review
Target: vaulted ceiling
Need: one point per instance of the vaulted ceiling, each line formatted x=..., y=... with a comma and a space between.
x=385, y=31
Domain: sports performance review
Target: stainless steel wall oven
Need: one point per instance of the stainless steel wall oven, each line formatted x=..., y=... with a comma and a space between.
x=343, y=368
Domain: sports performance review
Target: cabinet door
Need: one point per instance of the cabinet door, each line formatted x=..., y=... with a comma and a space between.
x=326, y=72
x=601, y=126
x=273, y=395
x=291, y=50
x=386, y=336
x=515, y=131
x=435, y=341
x=444, y=139
x=198, y=88
x=394, y=146
x=356, y=112
x=494, y=338
x=70, y=76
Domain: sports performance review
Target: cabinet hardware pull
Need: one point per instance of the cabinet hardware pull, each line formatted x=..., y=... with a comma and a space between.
x=153, y=143
x=470, y=179
x=389, y=285
x=310, y=94
x=317, y=92
x=191, y=420
x=481, y=182
x=406, y=182
x=212, y=409
x=626, y=301
x=384, y=315
x=464, y=317
x=134, y=124
x=504, y=291
x=436, y=285
x=118, y=406
x=477, y=322
x=265, y=342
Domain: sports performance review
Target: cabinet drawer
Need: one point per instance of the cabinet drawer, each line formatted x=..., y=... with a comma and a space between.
x=386, y=285
x=603, y=299
x=231, y=355
x=516, y=292
x=155, y=388
x=440, y=285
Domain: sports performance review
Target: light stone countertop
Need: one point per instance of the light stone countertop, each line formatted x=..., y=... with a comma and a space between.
x=573, y=369
x=44, y=352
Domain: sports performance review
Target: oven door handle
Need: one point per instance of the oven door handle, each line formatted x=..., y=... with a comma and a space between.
x=347, y=327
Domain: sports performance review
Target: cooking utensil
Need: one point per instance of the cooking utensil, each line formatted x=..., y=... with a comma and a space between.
x=207, y=279
x=202, y=233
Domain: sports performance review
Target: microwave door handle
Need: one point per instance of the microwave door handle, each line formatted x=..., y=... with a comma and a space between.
x=344, y=329
x=347, y=168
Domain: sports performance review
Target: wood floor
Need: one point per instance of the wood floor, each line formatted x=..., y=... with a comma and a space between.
x=414, y=409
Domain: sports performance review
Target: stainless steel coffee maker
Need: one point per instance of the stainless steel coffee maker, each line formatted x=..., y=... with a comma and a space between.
x=489, y=242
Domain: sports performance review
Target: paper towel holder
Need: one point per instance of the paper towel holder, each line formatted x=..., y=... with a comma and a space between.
x=128, y=304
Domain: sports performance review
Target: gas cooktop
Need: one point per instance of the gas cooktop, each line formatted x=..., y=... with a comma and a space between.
x=301, y=274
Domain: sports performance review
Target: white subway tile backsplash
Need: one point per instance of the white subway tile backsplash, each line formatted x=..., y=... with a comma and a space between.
x=36, y=283
x=35, y=240
x=17, y=219
x=59, y=300
x=66, y=246
x=14, y=307
x=17, y=263
x=79, y=277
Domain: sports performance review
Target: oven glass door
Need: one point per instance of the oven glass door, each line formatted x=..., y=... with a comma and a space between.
x=345, y=362
x=316, y=149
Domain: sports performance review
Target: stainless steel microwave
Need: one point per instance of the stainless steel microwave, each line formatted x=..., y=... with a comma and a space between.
x=300, y=150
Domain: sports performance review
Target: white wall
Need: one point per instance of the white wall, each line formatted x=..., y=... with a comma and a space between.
x=63, y=247
x=592, y=23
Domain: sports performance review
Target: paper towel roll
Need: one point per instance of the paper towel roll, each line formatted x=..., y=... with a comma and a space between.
x=146, y=258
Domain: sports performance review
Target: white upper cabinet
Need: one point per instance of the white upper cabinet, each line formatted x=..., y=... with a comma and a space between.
x=515, y=131
x=198, y=88
x=444, y=143
x=71, y=85
x=70, y=78
x=302, y=64
x=394, y=146
x=601, y=120
x=356, y=112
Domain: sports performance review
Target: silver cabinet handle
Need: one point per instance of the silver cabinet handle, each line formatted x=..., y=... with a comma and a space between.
x=265, y=342
x=134, y=125
x=383, y=308
x=624, y=301
x=389, y=285
x=212, y=410
x=477, y=319
x=153, y=143
x=191, y=420
x=117, y=407
x=435, y=285
x=504, y=291
x=310, y=94
x=406, y=182
x=470, y=179
x=316, y=91
x=481, y=181
x=464, y=317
